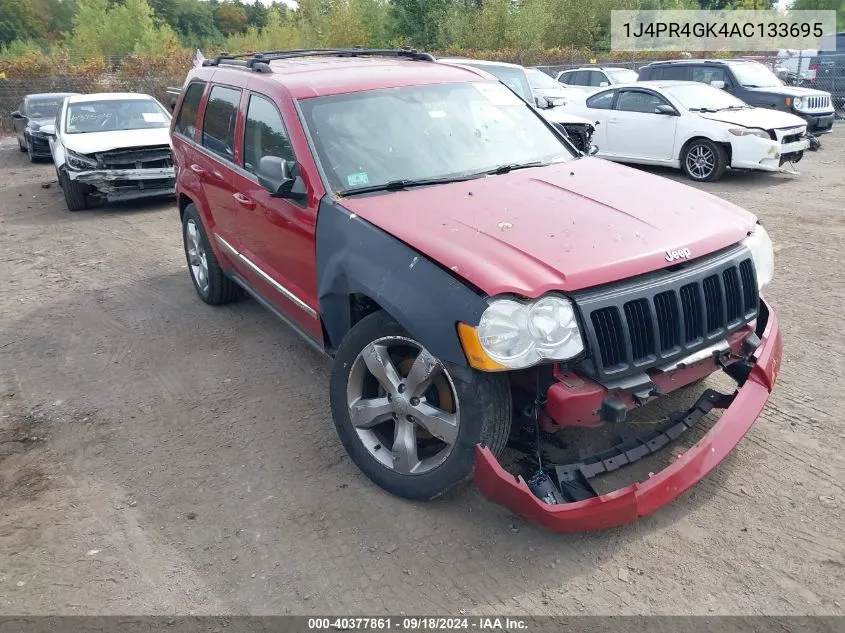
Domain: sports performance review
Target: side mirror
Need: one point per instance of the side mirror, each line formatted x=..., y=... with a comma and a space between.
x=603, y=84
x=276, y=175
x=594, y=149
x=718, y=83
x=49, y=129
x=17, y=114
x=542, y=103
x=664, y=108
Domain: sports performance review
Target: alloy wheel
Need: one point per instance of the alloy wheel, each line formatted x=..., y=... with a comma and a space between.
x=196, y=255
x=402, y=405
x=701, y=161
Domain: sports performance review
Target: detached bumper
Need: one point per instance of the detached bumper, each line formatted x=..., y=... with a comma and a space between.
x=640, y=499
x=128, y=184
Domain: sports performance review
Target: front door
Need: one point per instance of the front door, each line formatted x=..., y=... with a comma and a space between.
x=636, y=131
x=277, y=234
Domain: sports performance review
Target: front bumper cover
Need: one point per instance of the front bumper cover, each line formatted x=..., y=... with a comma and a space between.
x=626, y=504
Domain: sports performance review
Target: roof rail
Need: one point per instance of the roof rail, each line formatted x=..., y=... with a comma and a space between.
x=259, y=62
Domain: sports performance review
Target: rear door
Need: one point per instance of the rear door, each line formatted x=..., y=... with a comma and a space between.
x=277, y=234
x=636, y=132
x=215, y=158
x=599, y=107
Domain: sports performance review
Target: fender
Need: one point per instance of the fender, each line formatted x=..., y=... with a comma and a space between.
x=356, y=257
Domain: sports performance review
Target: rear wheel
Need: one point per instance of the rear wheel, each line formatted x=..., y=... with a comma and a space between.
x=704, y=161
x=409, y=421
x=76, y=194
x=210, y=282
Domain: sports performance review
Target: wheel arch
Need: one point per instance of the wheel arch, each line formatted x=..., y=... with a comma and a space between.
x=362, y=269
x=702, y=137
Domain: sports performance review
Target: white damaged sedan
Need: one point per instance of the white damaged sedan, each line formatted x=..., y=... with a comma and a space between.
x=691, y=126
x=113, y=147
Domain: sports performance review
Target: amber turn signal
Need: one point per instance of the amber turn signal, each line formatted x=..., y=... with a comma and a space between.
x=474, y=351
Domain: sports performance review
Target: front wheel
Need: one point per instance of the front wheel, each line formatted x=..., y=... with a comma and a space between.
x=704, y=161
x=76, y=194
x=406, y=418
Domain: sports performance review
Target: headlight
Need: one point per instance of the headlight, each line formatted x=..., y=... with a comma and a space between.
x=762, y=254
x=798, y=103
x=516, y=335
x=79, y=161
x=750, y=132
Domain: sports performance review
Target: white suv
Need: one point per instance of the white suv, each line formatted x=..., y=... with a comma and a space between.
x=591, y=78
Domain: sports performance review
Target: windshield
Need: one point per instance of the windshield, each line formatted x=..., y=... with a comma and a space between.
x=701, y=96
x=512, y=76
x=43, y=108
x=621, y=75
x=114, y=115
x=371, y=138
x=540, y=80
x=754, y=75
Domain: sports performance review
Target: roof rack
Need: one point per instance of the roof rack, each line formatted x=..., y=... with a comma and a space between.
x=259, y=62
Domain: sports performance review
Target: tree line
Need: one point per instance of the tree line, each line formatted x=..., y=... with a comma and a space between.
x=86, y=29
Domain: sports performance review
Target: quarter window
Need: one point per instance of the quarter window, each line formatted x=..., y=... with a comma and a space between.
x=265, y=134
x=186, y=120
x=636, y=101
x=218, y=124
x=601, y=101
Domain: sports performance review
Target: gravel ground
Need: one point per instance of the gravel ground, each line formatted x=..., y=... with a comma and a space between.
x=161, y=456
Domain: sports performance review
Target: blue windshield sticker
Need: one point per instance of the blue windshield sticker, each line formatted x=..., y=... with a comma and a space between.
x=356, y=180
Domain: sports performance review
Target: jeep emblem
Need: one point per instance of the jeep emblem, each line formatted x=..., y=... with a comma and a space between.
x=681, y=253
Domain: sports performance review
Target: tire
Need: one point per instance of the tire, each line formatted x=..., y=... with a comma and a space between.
x=694, y=160
x=32, y=157
x=76, y=196
x=479, y=402
x=212, y=286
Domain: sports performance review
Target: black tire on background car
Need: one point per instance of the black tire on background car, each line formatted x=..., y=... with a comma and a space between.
x=409, y=421
x=32, y=157
x=76, y=194
x=211, y=283
x=703, y=160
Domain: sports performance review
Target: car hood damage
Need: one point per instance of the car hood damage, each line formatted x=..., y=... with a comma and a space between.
x=760, y=118
x=121, y=139
x=561, y=227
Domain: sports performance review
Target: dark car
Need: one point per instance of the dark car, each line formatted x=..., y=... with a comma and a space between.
x=827, y=72
x=35, y=111
x=752, y=82
x=463, y=266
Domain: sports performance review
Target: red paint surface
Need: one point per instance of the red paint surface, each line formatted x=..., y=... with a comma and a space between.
x=640, y=499
x=569, y=226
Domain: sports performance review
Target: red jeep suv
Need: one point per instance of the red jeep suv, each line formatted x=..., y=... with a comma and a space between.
x=473, y=276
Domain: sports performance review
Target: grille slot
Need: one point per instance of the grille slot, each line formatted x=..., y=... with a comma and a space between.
x=713, y=303
x=691, y=303
x=666, y=307
x=749, y=286
x=733, y=297
x=608, y=327
x=638, y=316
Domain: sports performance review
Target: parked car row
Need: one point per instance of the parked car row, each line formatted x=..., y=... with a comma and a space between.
x=471, y=274
x=108, y=146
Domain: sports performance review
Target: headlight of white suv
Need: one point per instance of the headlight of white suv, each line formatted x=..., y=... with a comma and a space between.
x=79, y=161
x=515, y=335
x=797, y=103
x=763, y=255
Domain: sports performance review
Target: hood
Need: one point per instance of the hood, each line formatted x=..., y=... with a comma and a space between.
x=756, y=117
x=563, y=227
x=789, y=91
x=34, y=124
x=559, y=115
x=93, y=142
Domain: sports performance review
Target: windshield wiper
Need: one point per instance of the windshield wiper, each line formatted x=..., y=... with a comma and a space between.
x=702, y=110
x=504, y=169
x=735, y=107
x=406, y=183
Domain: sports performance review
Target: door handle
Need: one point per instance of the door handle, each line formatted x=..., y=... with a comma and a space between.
x=244, y=201
x=197, y=169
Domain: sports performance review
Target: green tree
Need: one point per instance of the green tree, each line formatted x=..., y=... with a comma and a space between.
x=417, y=22
x=230, y=18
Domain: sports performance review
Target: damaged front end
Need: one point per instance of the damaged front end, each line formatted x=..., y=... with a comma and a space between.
x=563, y=498
x=580, y=134
x=125, y=174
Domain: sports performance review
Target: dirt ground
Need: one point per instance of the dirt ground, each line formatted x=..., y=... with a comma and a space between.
x=161, y=456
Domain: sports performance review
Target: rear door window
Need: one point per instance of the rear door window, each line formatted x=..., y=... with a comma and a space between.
x=603, y=101
x=218, y=124
x=597, y=78
x=679, y=73
x=265, y=133
x=186, y=120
